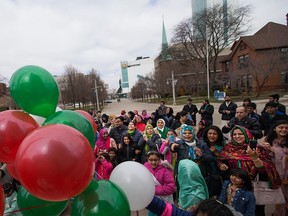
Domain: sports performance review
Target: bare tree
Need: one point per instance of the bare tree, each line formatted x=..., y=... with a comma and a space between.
x=210, y=29
x=262, y=67
x=69, y=93
x=94, y=76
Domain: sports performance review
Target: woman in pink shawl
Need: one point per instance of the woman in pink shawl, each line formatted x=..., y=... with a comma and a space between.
x=104, y=142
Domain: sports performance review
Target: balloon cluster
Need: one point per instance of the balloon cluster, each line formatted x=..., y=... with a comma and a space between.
x=50, y=151
x=54, y=161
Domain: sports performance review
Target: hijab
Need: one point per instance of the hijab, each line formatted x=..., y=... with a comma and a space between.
x=193, y=188
x=145, y=131
x=192, y=143
x=235, y=153
x=101, y=142
x=248, y=135
x=184, y=128
x=162, y=131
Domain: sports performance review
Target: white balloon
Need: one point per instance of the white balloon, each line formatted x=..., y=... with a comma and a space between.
x=136, y=182
x=38, y=119
x=58, y=109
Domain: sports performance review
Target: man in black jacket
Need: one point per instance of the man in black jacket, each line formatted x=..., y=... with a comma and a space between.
x=271, y=115
x=206, y=111
x=191, y=109
x=243, y=120
x=281, y=109
x=119, y=129
x=228, y=110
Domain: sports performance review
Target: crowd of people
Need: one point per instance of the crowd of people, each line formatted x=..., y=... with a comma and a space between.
x=195, y=162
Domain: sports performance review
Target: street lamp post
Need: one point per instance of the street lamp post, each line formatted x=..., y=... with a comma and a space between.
x=207, y=64
x=96, y=93
x=173, y=82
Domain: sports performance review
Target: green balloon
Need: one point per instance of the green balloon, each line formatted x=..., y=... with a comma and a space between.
x=75, y=120
x=101, y=198
x=33, y=206
x=34, y=90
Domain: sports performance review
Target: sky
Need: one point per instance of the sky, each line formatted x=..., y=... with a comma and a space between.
x=97, y=34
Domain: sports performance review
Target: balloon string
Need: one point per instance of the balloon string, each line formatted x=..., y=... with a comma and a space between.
x=98, y=175
x=29, y=208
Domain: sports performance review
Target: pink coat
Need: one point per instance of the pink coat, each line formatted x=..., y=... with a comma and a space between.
x=165, y=177
x=103, y=168
x=165, y=150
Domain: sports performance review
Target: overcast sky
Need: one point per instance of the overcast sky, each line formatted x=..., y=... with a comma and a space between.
x=97, y=33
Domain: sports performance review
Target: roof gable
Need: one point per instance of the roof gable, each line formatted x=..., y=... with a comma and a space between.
x=272, y=35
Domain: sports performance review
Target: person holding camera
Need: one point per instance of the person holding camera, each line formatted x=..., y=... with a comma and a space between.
x=103, y=166
x=243, y=152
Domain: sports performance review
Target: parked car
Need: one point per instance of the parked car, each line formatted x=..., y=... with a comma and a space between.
x=107, y=101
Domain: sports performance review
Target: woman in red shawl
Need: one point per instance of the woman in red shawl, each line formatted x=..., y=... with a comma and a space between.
x=104, y=142
x=238, y=154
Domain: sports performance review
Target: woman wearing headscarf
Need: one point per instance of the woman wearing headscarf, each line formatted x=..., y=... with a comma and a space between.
x=136, y=136
x=104, y=142
x=238, y=154
x=139, y=123
x=149, y=141
x=161, y=128
x=188, y=147
x=193, y=187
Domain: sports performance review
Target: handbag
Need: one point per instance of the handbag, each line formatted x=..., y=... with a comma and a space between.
x=265, y=195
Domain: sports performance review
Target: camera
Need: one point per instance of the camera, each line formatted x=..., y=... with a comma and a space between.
x=253, y=144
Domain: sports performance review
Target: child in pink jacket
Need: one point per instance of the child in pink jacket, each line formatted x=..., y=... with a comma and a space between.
x=103, y=166
x=165, y=184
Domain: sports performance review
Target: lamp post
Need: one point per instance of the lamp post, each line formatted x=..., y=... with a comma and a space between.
x=96, y=93
x=207, y=64
x=173, y=82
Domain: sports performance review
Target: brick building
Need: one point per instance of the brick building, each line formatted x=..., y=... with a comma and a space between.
x=259, y=62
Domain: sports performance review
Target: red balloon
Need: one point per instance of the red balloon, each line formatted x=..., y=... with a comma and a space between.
x=15, y=125
x=12, y=170
x=2, y=201
x=55, y=162
x=89, y=118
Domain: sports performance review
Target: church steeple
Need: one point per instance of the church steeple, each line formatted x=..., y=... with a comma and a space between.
x=165, y=56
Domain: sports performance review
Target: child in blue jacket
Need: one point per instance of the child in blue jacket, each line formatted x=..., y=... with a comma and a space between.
x=238, y=192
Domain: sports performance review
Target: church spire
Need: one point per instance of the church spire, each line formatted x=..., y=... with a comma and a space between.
x=165, y=56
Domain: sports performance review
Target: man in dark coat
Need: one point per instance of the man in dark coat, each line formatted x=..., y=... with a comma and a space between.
x=119, y=129
x=206, y=111
x=243, y=120
x=271, y=115
x=191, y=109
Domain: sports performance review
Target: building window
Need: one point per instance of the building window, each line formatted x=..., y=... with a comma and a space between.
x=243, y=61
x=243, y=81
x=284, y=77
x=227, y=65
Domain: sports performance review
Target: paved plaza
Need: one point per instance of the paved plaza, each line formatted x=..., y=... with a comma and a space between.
x=130, y=105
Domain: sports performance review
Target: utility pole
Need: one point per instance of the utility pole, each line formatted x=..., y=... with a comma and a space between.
x=173, y=88
x=96, y=93
x=173, y=83
x=207, y=64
